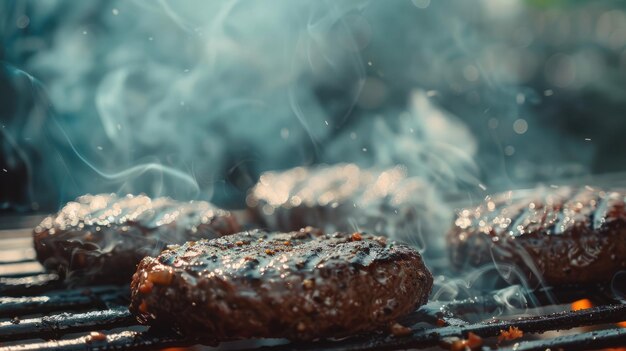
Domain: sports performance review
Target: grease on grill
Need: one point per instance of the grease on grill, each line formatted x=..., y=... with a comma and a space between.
x=511, y=334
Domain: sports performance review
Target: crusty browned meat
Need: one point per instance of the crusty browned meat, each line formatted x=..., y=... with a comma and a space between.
x=298, y=285
x=103, y=237
x=556, y=236
x=344, y=197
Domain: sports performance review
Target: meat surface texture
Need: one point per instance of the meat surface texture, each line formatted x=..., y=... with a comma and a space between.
x=103, y=237
x=554, y=236
x=344, y=197
x=299, y=285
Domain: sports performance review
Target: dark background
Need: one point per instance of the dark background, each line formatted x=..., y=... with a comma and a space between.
x=195, y=99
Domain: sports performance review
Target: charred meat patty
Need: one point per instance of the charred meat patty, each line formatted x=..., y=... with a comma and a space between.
x=298, y=285
x=103, y=237
x=556, y=236
x=344, y=197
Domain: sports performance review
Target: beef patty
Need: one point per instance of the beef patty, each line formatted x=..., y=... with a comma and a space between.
x=558, y=236
x=297, y=285
x=103, y=237
x=344, y=197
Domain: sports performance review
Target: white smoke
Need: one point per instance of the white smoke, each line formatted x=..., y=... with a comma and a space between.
x=205, y=95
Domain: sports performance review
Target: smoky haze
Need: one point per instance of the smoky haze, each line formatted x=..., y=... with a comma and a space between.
x=194, y=99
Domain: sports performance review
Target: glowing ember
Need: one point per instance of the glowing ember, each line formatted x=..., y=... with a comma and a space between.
x=581, y=305
x=585, y=304
x=473, y=342
x=511, y=334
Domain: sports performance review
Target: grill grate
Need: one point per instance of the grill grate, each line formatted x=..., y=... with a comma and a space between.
x=38, y=313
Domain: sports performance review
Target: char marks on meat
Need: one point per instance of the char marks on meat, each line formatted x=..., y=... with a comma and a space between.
x=298, y=285
x=560, y=236
x=104, y=236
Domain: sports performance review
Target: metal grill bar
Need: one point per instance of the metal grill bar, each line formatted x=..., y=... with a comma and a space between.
x=17, y=256
x=21, y=269
x=64, y=323
x=30, y=285
x=585, y=341
x=61, y=301
x=545, y=297
x=126, y=340
x=16, y=239
x=432, y=337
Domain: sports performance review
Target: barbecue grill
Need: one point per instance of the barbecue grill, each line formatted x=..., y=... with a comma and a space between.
x=40, y=312
x=197, y=99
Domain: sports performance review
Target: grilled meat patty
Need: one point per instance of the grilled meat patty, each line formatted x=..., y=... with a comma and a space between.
x=103, y=237
x=344, y=197
x=297, y=285
x=558, y=236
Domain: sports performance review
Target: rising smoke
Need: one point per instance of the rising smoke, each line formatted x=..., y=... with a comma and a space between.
x=193, y=99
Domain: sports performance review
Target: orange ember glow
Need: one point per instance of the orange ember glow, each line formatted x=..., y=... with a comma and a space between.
x=581, y=305
x=473, y=342
x=586, y=303
x=511, y=334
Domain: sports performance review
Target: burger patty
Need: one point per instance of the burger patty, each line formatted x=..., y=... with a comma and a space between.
x=557, y=236
x=103, y=237
x=344, y=197
x=298, y=285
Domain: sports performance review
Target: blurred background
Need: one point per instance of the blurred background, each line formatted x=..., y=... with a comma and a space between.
x=194, y=99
